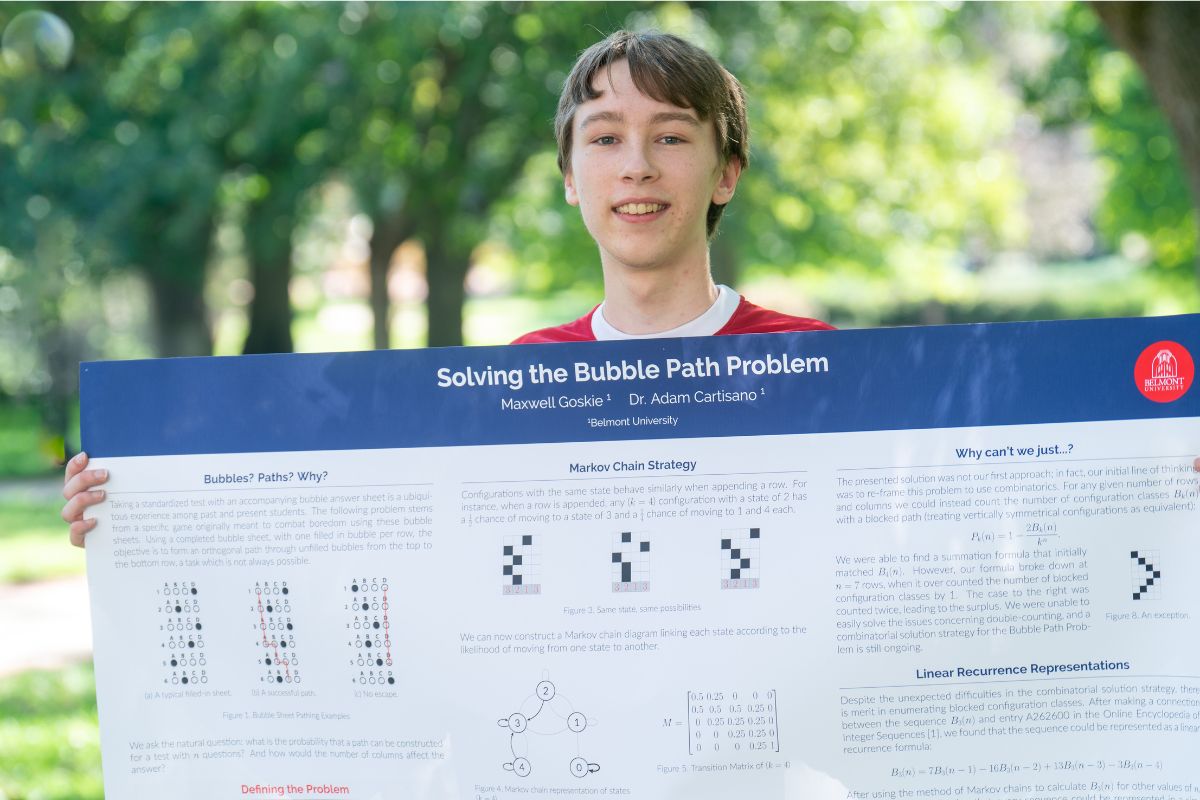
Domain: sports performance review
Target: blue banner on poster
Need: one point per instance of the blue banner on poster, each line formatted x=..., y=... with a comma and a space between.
x=816, y=382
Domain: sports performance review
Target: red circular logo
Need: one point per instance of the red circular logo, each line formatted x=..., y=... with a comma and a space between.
x=1164, y=371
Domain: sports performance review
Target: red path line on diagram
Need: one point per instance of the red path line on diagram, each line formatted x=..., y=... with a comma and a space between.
x=387, y=634
x=262, y=626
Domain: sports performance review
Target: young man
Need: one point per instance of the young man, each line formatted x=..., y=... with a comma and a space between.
x=652, y=138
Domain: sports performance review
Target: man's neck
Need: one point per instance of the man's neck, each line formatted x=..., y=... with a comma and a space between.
x=655, y=300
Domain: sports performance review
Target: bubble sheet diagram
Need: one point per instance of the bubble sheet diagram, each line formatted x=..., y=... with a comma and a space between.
x=371, y=648
x=545, y=713
x=272, y=608
x=183, y=634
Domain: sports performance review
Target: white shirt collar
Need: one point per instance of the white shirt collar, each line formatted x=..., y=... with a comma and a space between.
x=708, y=323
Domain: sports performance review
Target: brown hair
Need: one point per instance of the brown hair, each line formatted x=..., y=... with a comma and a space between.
x=670, y=70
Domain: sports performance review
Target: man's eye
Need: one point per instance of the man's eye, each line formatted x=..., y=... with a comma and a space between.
x=605, y=140
x=671, y=140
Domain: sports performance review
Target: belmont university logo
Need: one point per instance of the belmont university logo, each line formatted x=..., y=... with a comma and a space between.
x=1164, y=371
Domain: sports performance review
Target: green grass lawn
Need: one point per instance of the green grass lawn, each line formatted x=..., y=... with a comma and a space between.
x=33, y=544
x=49, y=737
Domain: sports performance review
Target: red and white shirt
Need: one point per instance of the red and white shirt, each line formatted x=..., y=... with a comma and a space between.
x=730, y=314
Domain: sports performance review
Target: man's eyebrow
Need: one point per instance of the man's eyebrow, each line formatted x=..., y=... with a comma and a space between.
x=676, y=116
x=657, y=119
x=602, y=116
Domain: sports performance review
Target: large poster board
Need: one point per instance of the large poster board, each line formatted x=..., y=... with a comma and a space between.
x=942, y=562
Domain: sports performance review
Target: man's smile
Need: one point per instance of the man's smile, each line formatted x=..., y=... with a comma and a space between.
x=640, y=210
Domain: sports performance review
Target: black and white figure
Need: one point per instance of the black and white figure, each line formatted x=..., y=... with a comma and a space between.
x=183, y=658
x=1145, y=575
x=520, y=565
x=630, y=562
x=740, y=558
x=369, y=631
x=276, y=632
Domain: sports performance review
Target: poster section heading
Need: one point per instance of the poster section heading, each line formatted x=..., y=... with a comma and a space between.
x=812, y=382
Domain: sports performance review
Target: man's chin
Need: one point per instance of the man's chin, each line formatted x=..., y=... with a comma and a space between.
x=636, y=264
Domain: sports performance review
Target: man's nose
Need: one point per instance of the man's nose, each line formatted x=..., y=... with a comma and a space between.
x=639, y=165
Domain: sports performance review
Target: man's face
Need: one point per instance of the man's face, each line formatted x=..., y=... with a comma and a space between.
x=643, y=173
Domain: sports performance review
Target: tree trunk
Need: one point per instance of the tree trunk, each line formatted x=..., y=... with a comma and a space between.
x=446, y=263
x=63, y=362
x=180, y=316
x=1163, y=39
x=389, y=234
x=269, y=250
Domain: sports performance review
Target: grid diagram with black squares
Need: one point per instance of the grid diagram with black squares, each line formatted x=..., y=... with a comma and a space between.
x=520, y=564
x=630, y=562
x=1145, y=574
x=740, y=558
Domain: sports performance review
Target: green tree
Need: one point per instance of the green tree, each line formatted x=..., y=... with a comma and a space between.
x=293, y=90
x=460, y=96
x=247, y=90
x=45, y=246
x=1161, y=38
x=1082, y=81
x=146, y=176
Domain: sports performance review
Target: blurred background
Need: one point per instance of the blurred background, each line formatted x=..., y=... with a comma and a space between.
x=196, y=179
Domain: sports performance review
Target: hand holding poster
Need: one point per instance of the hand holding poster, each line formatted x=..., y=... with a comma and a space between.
x=940, y=562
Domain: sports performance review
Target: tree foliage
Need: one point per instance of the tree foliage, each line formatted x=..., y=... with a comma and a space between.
x=881, y=153
x=1147, y=210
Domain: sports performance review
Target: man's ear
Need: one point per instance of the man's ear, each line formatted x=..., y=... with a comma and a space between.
x=727, y=183
x=569, y=188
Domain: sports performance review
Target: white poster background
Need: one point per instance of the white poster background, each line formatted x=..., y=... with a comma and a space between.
x=823, y=681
